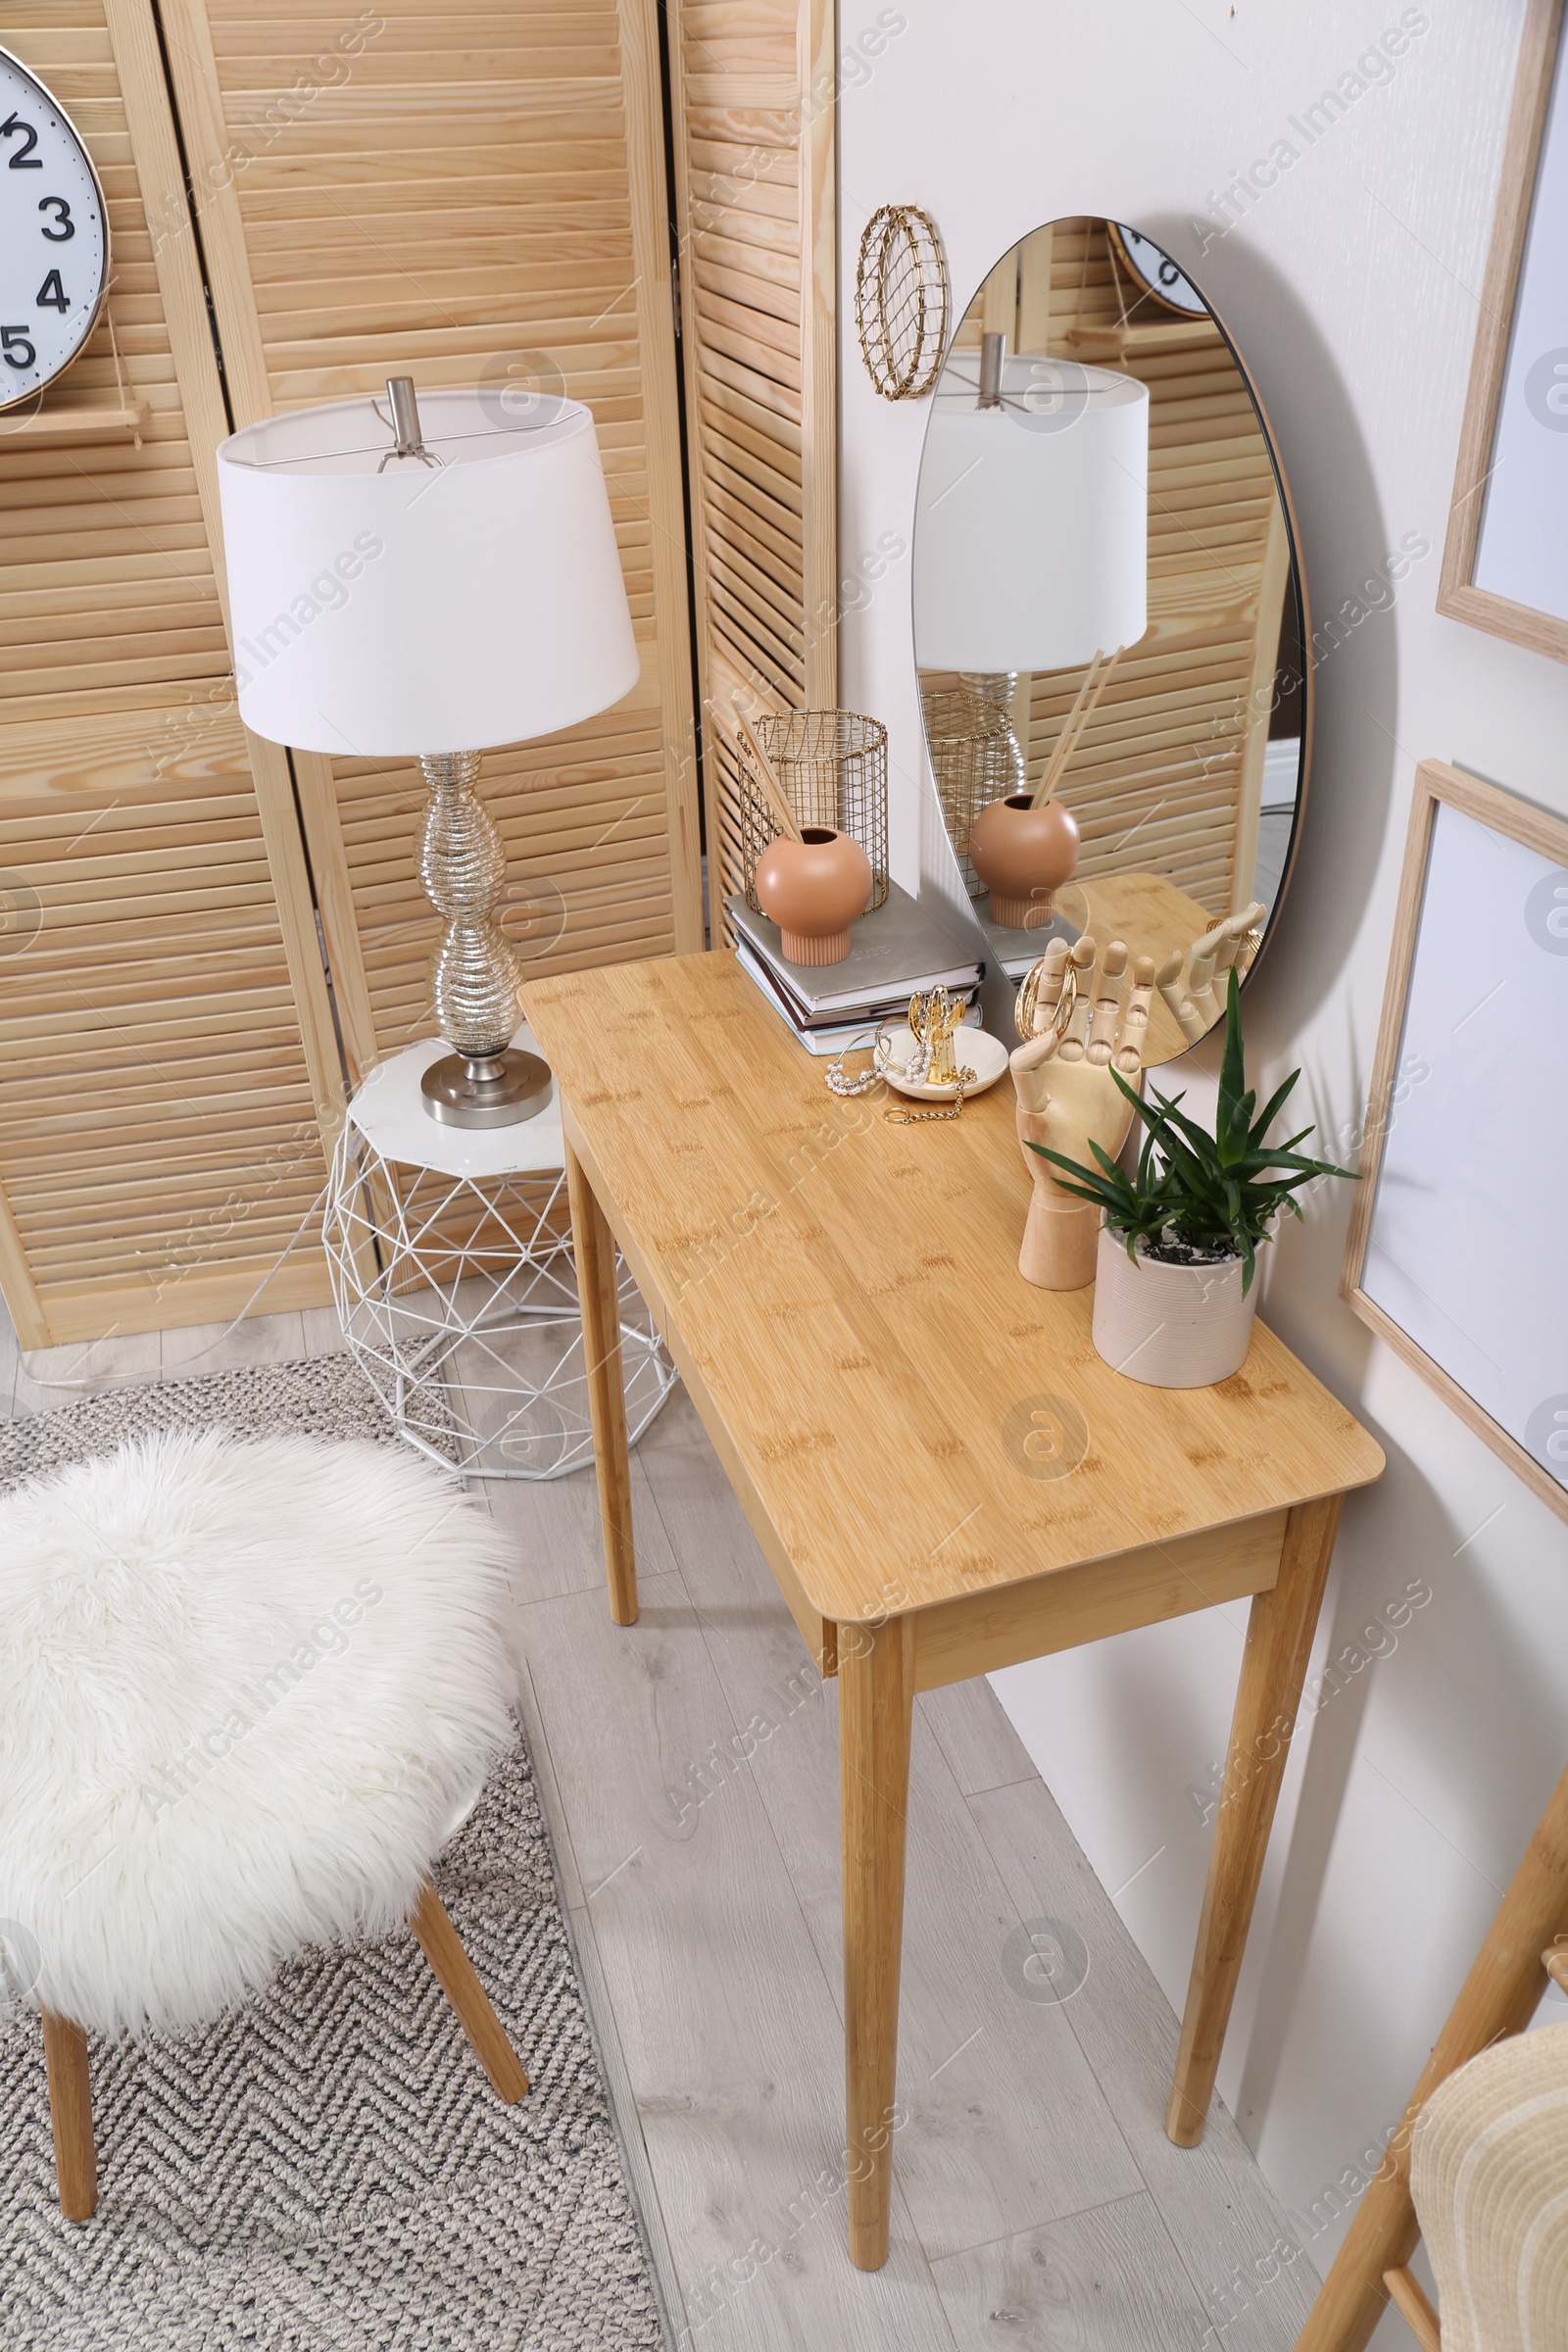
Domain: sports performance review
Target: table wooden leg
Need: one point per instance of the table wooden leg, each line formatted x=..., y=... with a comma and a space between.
x=1498, y=1997
x=593, y=1250
x=1279, y=1642
x=876, y=1704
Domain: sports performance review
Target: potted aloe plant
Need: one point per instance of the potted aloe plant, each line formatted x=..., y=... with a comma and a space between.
x=1174, y=1299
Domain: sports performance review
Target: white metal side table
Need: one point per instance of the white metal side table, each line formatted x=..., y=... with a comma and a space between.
x=452, y=1270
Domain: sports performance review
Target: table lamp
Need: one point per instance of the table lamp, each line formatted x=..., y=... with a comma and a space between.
x=425, y=581
x=1031, y=539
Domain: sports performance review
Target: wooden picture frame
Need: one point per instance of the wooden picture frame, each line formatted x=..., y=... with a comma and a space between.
x=1537, y=829
x=1457, y=593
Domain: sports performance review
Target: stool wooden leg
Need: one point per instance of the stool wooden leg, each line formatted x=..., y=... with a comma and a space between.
x=1279, y=1642
x=592, y=1252
x=65, y=2050
x=459, y=1980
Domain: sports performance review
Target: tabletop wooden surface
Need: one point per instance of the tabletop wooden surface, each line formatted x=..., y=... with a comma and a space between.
x=917, y=1422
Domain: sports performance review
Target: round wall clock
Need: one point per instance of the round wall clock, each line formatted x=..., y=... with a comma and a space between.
x=1156, y=273
x=53, y=237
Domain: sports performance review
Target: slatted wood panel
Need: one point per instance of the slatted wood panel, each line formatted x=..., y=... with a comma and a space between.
x=165, y=1051
x=755, y=166
x=1168, y=774
x=450, y=193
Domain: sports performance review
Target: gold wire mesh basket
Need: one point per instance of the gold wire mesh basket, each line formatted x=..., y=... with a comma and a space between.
x=833, y=768
x=975, y=759
x=900, y=301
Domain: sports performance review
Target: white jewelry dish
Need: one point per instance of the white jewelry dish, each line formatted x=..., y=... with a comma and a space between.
x=976, y=1051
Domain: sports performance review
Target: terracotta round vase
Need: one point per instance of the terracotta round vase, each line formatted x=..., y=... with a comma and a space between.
x=813, y=889
x=1023, y=856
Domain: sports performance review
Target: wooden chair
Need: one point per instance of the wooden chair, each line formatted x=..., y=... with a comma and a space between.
x=1488, y=2178
x=1498, y=1997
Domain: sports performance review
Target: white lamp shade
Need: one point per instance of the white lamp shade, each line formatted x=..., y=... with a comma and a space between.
x=1031, y=532
x=423, y=609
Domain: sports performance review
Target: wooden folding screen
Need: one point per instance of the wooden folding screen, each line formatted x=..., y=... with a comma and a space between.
x=168, y=1068
x=755, y=102
x=466, y=194
x=1174, y=754
x=456, y=193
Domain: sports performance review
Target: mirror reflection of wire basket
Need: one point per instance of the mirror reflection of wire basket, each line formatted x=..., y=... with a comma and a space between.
x=833, y=767
x=975, y=759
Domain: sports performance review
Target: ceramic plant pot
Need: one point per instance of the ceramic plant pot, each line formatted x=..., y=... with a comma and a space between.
x=1023, y=856
x=1172, y=1327
x=813, y=889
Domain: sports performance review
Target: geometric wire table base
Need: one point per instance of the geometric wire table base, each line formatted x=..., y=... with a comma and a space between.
x=458, y=1298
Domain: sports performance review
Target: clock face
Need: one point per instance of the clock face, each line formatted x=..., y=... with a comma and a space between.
x=53, y=237
x=1157, y=273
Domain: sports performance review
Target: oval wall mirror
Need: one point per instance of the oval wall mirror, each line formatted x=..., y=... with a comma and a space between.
x=1109, y=621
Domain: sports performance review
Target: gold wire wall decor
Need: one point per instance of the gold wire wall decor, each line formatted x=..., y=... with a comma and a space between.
x=832, y=767
x=900, y=301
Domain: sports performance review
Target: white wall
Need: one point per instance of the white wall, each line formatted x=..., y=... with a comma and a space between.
x=1352, y=288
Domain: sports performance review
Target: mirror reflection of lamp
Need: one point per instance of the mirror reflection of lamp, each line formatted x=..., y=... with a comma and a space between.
x=1031, y=552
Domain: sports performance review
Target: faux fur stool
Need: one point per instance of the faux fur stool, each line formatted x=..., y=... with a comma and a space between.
x=247, y=1692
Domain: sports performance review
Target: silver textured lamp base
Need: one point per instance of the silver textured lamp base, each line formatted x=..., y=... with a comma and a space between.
x=995, y=689
x=473, y=975
x=494, y=1090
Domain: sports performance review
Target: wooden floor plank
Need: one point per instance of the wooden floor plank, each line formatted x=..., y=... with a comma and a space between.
x=628, y=2123
x=544, y=1767
x=731, y=2034
x=579, y=1924
x=980, y=1745
x=1008, y=2128
x=554, y=1523
x=323, y=1333
x=48, y=1377
x=1230, y=2231
x=1102, y=2281
x=201, y=1349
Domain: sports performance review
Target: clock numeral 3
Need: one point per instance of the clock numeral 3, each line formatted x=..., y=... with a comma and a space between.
x=18, y=347
x=63, y=226
x=51, y=295
x=23, y=159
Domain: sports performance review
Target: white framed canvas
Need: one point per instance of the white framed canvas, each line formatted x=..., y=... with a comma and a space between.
x=1458, y=1252
x=1505, y=557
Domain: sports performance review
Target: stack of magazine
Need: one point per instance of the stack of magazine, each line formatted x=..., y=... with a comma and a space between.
x=899, y=949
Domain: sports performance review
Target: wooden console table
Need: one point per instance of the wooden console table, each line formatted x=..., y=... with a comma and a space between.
x=944, y=1476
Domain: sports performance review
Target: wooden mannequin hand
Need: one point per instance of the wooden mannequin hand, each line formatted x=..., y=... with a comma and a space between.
x=1069, y=1099
x=1198, y=999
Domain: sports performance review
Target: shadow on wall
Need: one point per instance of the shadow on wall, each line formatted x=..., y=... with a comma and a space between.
x=1468, y=1717
x=1355, y=569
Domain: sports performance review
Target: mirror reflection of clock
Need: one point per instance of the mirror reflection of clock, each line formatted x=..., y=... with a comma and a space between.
x=53, y=237
x=1154, y=272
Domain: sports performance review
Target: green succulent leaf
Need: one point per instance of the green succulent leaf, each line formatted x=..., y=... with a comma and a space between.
x=1222, y=1190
